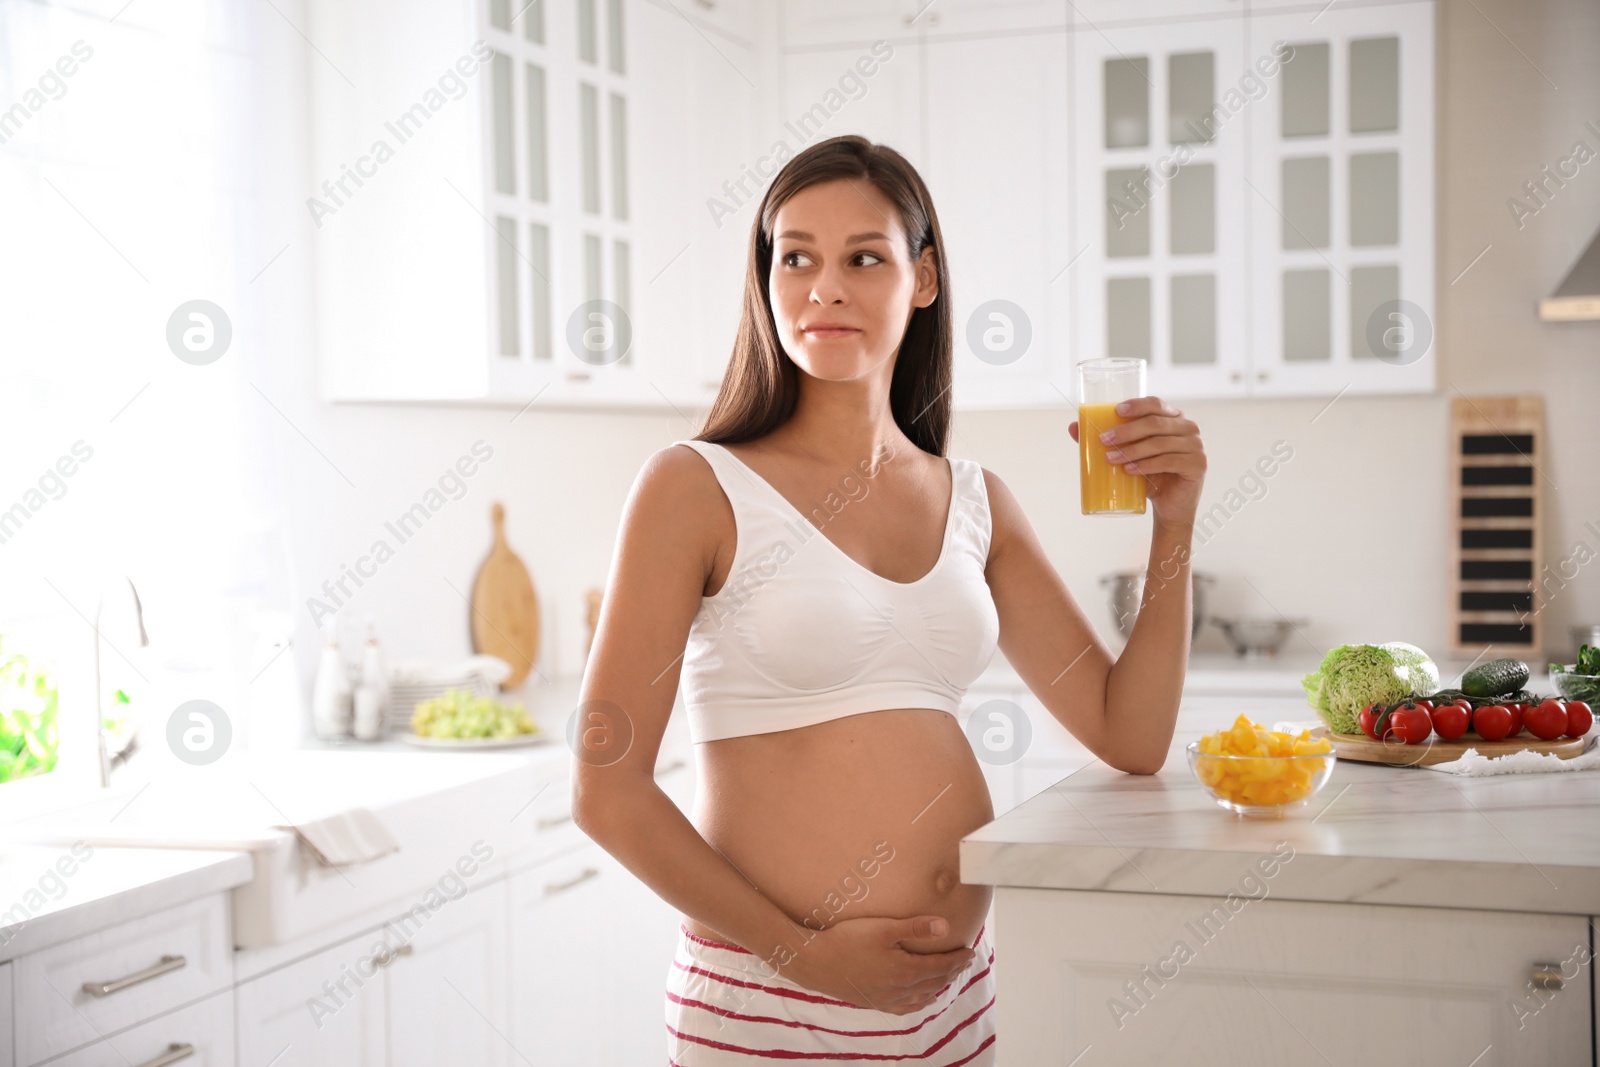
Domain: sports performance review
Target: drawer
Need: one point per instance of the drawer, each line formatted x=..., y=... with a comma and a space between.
x=147, y=967
x=200, y=1035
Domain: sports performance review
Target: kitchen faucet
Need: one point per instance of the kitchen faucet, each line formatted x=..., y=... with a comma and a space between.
x=99, y=712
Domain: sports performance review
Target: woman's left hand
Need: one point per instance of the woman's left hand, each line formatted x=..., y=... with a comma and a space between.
x=1158, y=442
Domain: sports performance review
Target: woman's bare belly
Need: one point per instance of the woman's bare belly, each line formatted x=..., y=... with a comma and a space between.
x=857, y=816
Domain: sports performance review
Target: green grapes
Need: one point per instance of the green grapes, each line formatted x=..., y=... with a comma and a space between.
x=458, y=713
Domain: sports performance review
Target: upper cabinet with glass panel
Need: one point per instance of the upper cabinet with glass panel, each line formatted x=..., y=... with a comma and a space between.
x=1295, y=260
x=496, y=257
x=1161, y=165
x=1344, y=283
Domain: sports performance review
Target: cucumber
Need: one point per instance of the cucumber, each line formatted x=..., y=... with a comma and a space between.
x=1495, y=678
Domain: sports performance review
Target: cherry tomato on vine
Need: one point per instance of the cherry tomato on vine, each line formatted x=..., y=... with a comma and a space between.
x=1451, y=720
x=1492, y=722
x=1579, y=718
x=1368, y=719
x=1410, y=724
x=1548, y=720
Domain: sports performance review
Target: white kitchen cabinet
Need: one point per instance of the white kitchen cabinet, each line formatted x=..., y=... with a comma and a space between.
x=446, y=991
x=142, y=968
x=812, y=23
x=200, y=1035
x=428, y=987
x=734, y=19
x=994, y=16
x=1097, y=13
x=827, y=92
x=1194, y=132
x=809, y=23
x=479, y=234
x=1162, y=203
x=998, y=173
x=590, y=950
x=1274, y=981
x=701, y=115
x=7, y=1033
x=325, y=1010
x=1342, y=268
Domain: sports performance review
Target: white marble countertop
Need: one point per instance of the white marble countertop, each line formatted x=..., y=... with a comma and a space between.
x=53, y=895
x=1375, y=834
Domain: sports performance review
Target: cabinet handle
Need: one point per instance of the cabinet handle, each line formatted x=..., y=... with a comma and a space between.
x=552, y=888
x=577, y=376
x=1236, y=376
x=551, y=824
x=675, y=765
x=1262, y=376
x=392, y=954
x=176, y=1050
x=1546, y=976
x=105, y=989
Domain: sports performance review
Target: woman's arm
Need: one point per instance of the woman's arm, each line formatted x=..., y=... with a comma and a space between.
x=665, y=552
x=1123, y=709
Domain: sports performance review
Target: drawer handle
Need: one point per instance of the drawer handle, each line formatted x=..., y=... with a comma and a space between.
x=105, y=989
x=675, y=765
x=176, y=1050
x=392, y=954
x=1546, y=976
x=587, y=873
x=551, y=824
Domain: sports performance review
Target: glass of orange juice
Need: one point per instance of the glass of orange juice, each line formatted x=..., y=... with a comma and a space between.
x=1107, y=488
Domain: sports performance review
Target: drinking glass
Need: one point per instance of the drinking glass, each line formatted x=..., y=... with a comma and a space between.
x=1107, y=488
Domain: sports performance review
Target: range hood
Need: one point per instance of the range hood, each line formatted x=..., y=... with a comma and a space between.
x=1578, y=299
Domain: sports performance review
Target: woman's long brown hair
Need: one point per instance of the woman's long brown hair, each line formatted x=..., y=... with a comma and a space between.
x=762, y=383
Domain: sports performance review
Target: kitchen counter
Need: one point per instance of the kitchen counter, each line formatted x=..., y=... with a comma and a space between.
x=1374, y=835
x=55, y=894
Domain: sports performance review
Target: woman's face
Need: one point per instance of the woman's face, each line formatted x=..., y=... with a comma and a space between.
x=842, y=286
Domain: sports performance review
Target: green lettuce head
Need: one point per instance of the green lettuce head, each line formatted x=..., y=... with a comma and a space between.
x=1353, y=676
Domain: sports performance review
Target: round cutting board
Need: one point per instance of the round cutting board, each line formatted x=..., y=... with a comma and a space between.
x=505, y=612
x=1365, y=749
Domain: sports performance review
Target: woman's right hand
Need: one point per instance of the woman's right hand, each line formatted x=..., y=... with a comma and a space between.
x=866, y=962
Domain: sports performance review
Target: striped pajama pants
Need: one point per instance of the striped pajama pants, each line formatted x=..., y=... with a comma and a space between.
x=722, y=1008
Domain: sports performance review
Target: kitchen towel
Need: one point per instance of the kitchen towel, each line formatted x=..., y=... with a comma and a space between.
x=353, y=836
x=1472, y=764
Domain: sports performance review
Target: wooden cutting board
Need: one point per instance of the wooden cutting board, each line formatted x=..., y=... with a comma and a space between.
x=505, y=611
x=1366, y=750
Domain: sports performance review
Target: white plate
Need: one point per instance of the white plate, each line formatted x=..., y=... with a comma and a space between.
x=477, y=742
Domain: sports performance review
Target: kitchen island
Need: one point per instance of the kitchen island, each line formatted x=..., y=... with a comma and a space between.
x=1405, y=916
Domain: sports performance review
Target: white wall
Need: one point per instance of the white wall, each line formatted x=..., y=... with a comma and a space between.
x=1351, y=534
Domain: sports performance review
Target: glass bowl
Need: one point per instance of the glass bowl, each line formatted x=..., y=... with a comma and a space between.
x=1260, y=785
x=1584, y=687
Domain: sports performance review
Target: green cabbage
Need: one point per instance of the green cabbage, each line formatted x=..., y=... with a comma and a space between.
x=1353, y=676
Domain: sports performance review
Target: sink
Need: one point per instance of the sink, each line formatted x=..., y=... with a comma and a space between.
x=451, y=813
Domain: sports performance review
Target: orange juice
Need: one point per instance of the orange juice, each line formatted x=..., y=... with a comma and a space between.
x=1106, y=486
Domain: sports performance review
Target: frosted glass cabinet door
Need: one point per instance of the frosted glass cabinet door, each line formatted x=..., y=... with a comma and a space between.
x=1159, y=127
x=1342, y=220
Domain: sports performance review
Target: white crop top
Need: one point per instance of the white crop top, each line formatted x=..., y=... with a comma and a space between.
x=800, y=633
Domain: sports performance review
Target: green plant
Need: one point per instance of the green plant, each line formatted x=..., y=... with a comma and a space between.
x=29, y=736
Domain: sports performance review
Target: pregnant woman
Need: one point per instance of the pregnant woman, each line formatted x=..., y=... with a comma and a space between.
x=826, y=583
